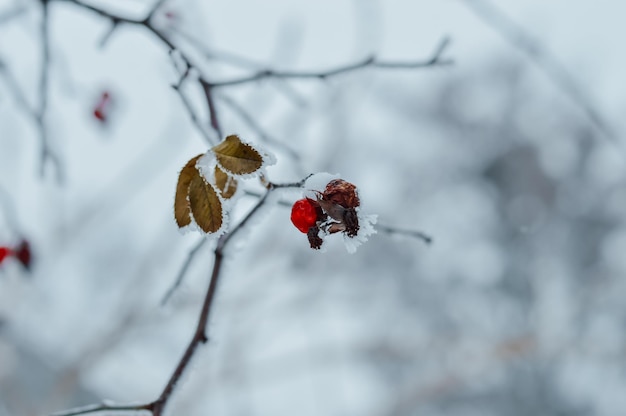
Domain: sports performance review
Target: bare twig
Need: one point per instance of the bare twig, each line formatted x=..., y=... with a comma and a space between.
x=208, y=93
x=194, y=118
x=401, y=231
x=101, y=408
x=40, y=114
x=200, y=335
x=434, y=60
x=558, y=73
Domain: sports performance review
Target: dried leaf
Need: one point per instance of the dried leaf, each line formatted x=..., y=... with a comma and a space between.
x=237, y=157
x=205, y=205
x=226, y=184
x=181, y=203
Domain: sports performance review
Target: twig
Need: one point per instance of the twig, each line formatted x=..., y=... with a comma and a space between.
x=409, y=233
x=208, y=94
x=183, y=270
x=194, y=118
x=435, y=60
x=147, y=24
x=200, y=335
x=558, y=73
x=100, y=408
x=40, y=114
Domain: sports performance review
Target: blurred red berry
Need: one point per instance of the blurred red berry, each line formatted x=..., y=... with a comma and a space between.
x=304, y=214
x=4, y=253
x=23, y=254
x=99, y=114
x=100, y=110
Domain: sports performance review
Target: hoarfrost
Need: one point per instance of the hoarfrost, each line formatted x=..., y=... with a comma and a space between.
x=366, y=228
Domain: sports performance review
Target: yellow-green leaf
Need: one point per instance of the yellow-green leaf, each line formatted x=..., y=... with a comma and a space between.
x=181, y=203
x=236, y=157
x=226, y=184
x=205, y=205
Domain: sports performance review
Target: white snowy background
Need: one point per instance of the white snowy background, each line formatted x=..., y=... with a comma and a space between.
x=517, y=308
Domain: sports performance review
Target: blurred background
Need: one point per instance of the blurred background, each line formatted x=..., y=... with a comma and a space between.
x=512, y=158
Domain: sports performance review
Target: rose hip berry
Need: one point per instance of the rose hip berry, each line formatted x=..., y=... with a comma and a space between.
x=304, y=214
x=4, y=253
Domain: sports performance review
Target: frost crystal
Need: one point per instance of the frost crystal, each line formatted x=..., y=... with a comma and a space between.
x=366, y=223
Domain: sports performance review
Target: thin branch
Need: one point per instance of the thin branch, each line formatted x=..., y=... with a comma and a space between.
x=409, y=233
x=208, y=94
x=101, y=408
x=105, y=38
x=192, y=114
x=40, y=114
x=200, y=335
x=183, y=270
x=434, y=60
x=558, y=73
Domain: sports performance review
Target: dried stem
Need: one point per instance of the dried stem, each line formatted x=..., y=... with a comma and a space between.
x=100, y=408
x=44, y=77
x=409, y=233
x=200, y=334
x=434, y=60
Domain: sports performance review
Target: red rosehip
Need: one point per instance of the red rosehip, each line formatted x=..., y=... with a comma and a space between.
x=4, y=253
x=304, y=214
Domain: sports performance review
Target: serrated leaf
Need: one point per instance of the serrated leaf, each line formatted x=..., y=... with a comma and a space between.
x=237, y=157
x=182, y=210
x=205, y=205
x=226, y=184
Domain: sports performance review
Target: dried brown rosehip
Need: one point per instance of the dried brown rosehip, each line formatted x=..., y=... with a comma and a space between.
x=342, y=193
